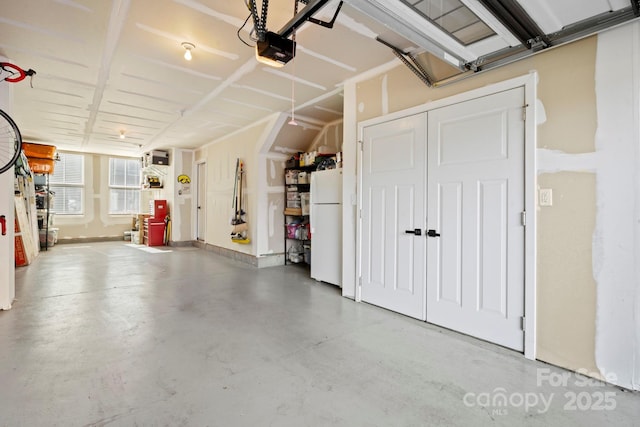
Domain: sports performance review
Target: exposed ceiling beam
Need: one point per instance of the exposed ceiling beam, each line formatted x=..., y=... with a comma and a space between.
x=118, y=17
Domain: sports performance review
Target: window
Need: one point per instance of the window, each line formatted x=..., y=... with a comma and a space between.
x=454, y=18
x=67, y=183
x=124, y=186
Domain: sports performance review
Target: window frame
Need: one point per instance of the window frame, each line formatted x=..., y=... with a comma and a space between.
x=125, y=187
x=81, y=185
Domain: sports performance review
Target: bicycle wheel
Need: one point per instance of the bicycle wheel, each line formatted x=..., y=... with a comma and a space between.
x=10, y=142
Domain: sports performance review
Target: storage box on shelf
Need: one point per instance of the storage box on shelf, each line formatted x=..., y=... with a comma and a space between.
x=155, y=158
x=41, y=157
x=297, y=229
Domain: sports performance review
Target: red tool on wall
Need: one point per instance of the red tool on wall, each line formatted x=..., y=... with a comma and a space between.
x=13, y=74
x=3, y=224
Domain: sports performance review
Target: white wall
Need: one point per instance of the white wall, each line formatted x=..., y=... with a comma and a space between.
x=616, y=239
x=7, y=256
x=349, y=192
x=183, y=197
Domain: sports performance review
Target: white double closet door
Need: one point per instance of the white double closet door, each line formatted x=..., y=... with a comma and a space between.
x=442, y=236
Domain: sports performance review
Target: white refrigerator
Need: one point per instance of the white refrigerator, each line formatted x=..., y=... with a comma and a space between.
x=326, y=226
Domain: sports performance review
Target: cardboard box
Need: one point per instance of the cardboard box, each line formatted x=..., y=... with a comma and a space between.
x=293, y=211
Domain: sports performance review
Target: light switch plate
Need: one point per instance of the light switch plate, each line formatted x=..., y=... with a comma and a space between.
x=545, y=197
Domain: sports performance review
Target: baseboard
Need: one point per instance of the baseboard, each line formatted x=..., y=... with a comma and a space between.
x=260, y=262
x=271, y=260
x=89, y=239
x=182, y=244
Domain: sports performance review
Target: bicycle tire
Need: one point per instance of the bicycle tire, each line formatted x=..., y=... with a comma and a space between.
x=21, y=73
x=10, y=142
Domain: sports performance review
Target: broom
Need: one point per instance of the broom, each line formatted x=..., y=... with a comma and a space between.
x=240, y=227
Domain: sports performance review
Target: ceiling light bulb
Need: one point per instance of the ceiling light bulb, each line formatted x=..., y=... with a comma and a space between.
x=187, y=50
x=121, y=134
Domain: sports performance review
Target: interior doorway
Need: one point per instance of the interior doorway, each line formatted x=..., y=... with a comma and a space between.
x=201, y=201
x=466, y=204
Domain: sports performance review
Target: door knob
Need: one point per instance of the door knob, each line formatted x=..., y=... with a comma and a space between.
x=417, y=232
x=432, y=233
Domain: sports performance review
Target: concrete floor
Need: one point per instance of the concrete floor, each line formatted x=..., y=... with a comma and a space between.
x=107, y=334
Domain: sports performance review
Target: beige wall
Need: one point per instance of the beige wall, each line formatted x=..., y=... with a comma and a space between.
x=330, y=137
x=566, y=289
x=264, y=186
x=95, y=223
x=220, y=158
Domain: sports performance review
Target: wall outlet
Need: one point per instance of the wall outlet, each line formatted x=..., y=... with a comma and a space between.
x=545, y=197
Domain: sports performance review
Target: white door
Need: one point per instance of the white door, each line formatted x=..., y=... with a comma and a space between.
x=476, y=197
x=201, y=201
x=393, y=175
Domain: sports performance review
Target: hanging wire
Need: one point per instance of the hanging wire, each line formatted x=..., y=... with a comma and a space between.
x=240, y=29
x=293, y=122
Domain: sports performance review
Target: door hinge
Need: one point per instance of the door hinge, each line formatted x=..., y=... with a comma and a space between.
x=522, y=323
x=360, y=281
x=361, y=145
x=360, y=213
x=524, y=112
x=523, y=218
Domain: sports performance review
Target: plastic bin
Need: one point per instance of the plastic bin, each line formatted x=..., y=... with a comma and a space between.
x=304, y=203
x=291, y=177
x=303, y=177
x=39, y=151
x=53, y=237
